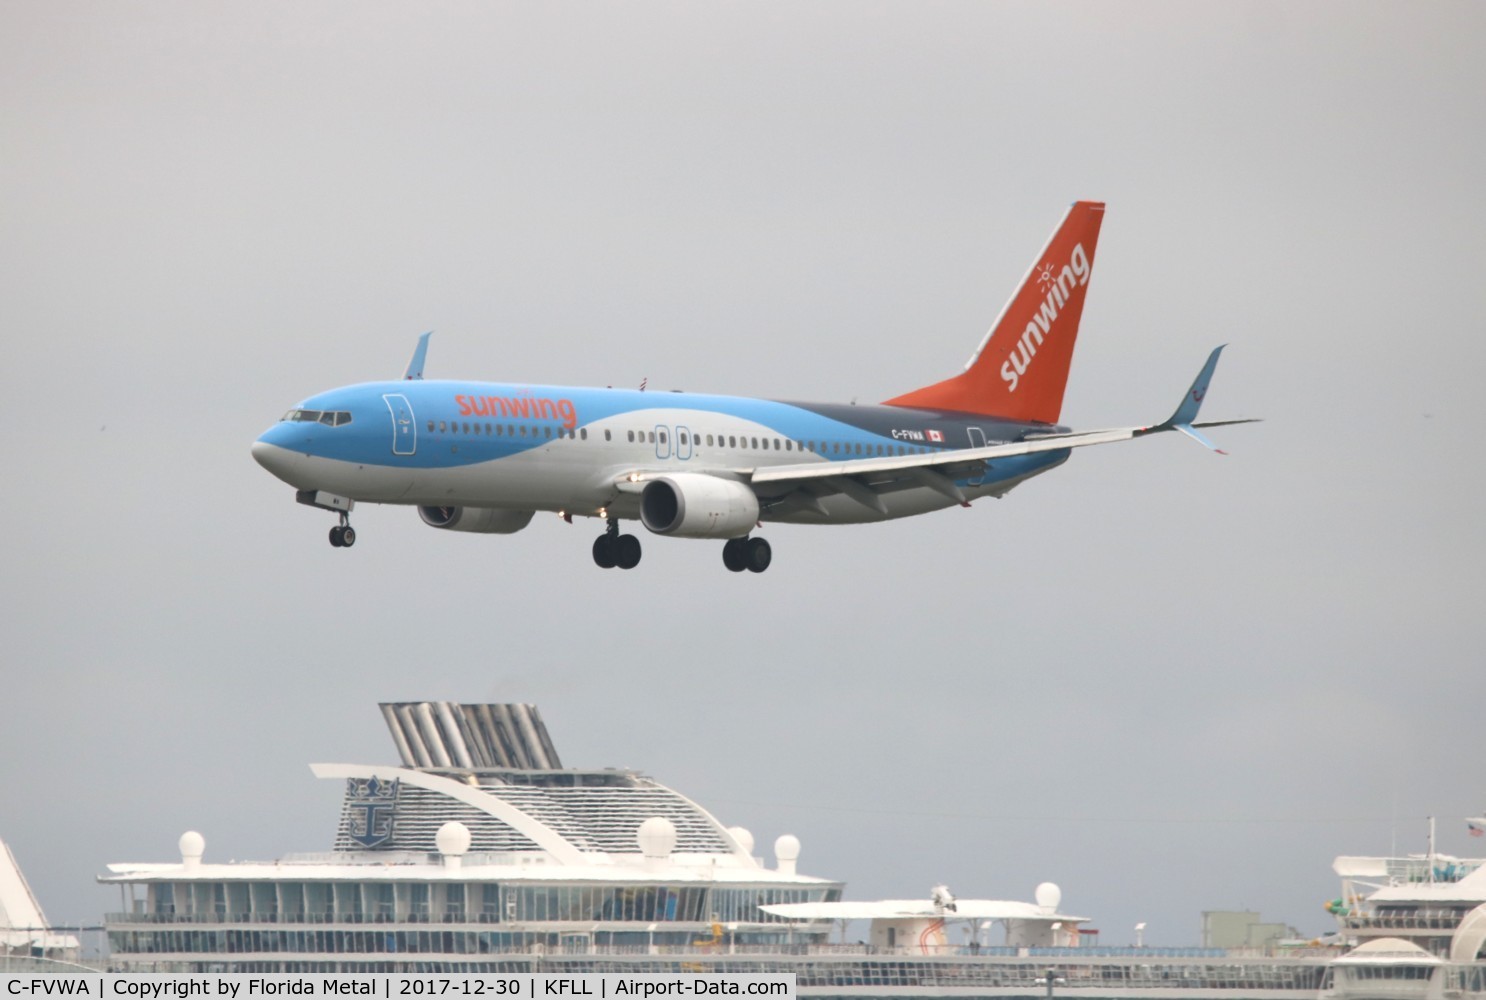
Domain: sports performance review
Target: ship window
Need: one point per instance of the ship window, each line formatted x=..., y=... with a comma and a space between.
x=652, y=437
x=789, y=445
x=662, y=437
x=477, y=428
x=732, y=441
x=607, y=436
x=709, y=440
x=584, y=433
x=755, y=442
x=523, y=430
x=441, y=427
x=430, y=427
x=682, y=437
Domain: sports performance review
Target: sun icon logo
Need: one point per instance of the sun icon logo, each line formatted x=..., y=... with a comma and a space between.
x=1045, y=276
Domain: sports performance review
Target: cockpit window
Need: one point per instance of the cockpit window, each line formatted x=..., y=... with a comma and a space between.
x=330, y=418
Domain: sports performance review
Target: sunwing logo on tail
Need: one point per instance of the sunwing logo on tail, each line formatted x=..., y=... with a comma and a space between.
x=1060, y=289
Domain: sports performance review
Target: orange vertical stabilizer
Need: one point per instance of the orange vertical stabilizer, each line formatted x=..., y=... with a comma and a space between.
x=1021, y=367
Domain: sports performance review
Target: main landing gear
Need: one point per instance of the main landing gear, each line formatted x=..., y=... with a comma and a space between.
x=752, y=554
x=343, y=536
x=612, y=549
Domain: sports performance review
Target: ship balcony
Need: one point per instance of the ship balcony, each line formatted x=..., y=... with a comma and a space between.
x=1388, y=921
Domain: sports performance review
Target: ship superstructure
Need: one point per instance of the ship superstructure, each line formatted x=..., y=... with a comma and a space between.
x=480, y=844
x=480, y=853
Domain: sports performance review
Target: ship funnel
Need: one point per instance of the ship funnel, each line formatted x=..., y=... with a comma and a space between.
x=444, y=734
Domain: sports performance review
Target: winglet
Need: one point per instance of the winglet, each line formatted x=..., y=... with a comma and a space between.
x=1192, y=401
x=1186, y=412
x=415, y=364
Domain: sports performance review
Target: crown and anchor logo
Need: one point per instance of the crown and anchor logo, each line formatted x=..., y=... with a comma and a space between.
x=372, y=807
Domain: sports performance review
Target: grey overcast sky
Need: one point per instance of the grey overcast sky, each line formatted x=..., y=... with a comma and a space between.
x=1169, y=681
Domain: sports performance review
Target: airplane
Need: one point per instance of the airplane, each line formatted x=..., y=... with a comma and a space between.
x=484, y=457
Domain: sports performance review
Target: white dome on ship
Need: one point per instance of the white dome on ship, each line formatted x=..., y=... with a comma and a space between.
x=744, y=838
x=193, y=846
x=1048, y=896
x=657, y=837
x=452, y=839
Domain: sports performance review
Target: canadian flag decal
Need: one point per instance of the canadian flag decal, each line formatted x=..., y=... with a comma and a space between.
x=935, y=436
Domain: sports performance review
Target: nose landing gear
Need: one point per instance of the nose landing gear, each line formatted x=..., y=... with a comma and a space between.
x=612, y=549
x=343, y=536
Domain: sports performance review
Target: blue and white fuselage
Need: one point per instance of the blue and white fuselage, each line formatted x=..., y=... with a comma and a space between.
x=581, y=451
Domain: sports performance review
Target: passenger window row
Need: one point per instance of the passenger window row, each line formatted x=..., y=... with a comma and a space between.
x=662, y=437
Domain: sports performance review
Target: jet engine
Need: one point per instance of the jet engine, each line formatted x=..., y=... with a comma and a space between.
x=485, y=520
x=691, y=505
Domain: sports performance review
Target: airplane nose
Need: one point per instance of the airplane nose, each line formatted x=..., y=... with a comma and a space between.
x=279, y=461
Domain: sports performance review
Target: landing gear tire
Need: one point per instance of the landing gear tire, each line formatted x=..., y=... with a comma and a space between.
x=626, y=550
x=348, y=536
x=335, y=536
x=759, y=555
x=734, y=554
x=603, y=552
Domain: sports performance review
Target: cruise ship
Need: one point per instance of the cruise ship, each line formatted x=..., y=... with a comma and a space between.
x=481, y=853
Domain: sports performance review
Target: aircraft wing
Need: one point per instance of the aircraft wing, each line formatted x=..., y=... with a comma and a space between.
x=864, y=480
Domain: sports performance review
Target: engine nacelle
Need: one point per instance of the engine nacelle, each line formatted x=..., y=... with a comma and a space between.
x=691, y=505
x=485, y=520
